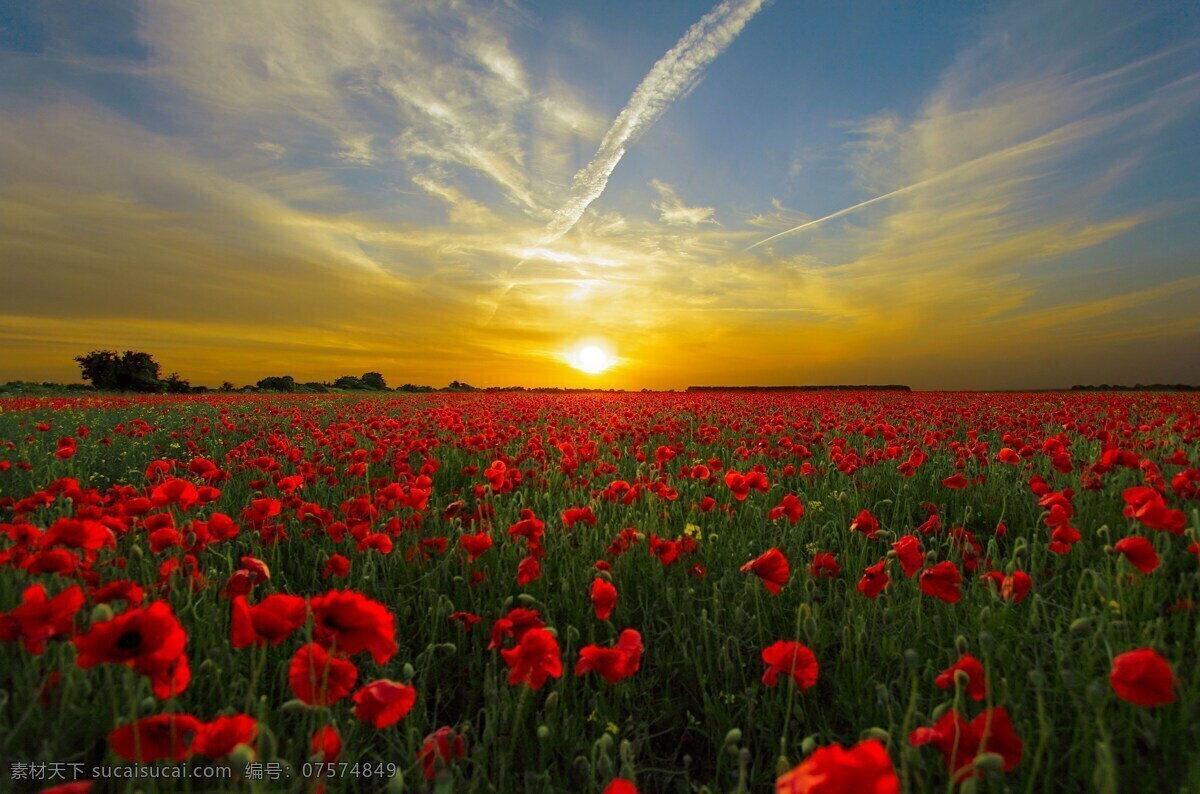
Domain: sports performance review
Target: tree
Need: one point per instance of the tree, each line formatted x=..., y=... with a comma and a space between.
x=278, y=383
x=349, y=382
x=174, y=384
x=132, y=371
x=373, y=380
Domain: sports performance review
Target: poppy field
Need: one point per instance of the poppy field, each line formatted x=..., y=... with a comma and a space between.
x=659, y=592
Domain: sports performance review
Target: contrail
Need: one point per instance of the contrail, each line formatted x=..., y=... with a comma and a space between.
x=673, y=75
x=1063, y=134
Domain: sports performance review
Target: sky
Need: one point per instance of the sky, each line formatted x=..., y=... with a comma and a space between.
x=945, y=194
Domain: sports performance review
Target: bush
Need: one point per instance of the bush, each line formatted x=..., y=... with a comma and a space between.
x=349, y=382
x=374, y=380
x=285, y=383
x=133, y=371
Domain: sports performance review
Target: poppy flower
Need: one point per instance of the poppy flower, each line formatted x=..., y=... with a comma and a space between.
x=573, y=515
x=475, y=545
x=976, y=681
x=1016, y=586
x=874, y=579
x=528, y=570
x=1140, y=553
x=865, y=523
x=534, y=659
x=613, y=664
x=326, y=744
x=337, y=566
x=793, y=659
x=942, y=581
x=1148, y=506
x=824, y=566
x=772, y=568
x=960, y=741
x=440, y=748
x=908, y=551
x=150, y=640
x=957, y=481
x=1143, y=677
x=350, y=622
x=791, y=507
x=39, y=618
x=161, y=737
x=604, y=598
x=217, y=739
x=620, y=785
x=383, y=703
x=271, y=620
x=865, y=767
x=515, y=624
x=318, y=678
x=468, y=619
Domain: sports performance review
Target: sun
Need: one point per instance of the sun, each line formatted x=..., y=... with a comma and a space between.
x=591, y=359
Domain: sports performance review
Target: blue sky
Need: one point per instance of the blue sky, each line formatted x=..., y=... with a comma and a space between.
x=476, y=190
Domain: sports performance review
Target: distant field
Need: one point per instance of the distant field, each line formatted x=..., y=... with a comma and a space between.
x=545, y=593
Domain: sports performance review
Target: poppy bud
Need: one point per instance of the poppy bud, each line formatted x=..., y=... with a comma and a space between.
x=207, y=666
x=733, y=737
x=543, y=732
x=782, y=766
x=572, y=634
x=712, y=536
x=912, y=659
x=295, y=705
x=960, y=644
x=240, y=756
x=961, y=679
x=605, y=743
x=1080, y=625
x=988, y=762
x=445, y=647
x=986, y=642
x=101, y=613
x=810, y=627
x=985, y=614
x=527, y=600
x=408, y=671
x=136, y=552
x=625, y=751
x=876, y=733
x=808, y=745
x=931, y=556
x=396, y=784
x=1102, y=532
x=148, y=706
x=551, y=703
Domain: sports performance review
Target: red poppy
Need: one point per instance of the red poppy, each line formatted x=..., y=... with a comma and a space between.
x=39, y=618
x=942, y=581
x=1147, y=506
x=791, y=507
x=1016, y=586
x=619, y=785
x=772, y=568
x=865, y=523
x=161, y=737
x=350, y=622
x=535, y=658
x=528, y=570
x=1143, y=677
x=573, y=515
x=956, y=481
x=824, y=566
x=613, y=664
x=514, y=624
x=383, y=703
x=604, y=598
x=149, y=640
x=960, y=741
x=1140, y=553
x=908, y=551
x=271, y=620
x=865, y=767
x=475, y=544
x=336, y=565
x=440, y=748
x=976, y=687
x=326, y=744
x=874, y=579
x=217, y=739
x=468, y=619
x=318, y=678
x=793, y=659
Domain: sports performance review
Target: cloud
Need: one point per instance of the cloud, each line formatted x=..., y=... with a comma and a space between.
x=674, y=75
x=674, y=212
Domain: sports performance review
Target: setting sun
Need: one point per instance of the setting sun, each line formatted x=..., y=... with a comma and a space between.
x=591, y=359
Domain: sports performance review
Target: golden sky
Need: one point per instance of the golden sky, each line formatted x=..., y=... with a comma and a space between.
x=991, y=197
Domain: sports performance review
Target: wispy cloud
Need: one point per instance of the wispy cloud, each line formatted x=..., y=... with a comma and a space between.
x=671, y=77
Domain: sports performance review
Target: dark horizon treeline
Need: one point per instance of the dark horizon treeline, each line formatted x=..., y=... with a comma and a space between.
x=138, y=372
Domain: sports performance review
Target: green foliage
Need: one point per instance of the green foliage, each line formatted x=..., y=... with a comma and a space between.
x=374, y=380
x=110, y=371
x=281, y=383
